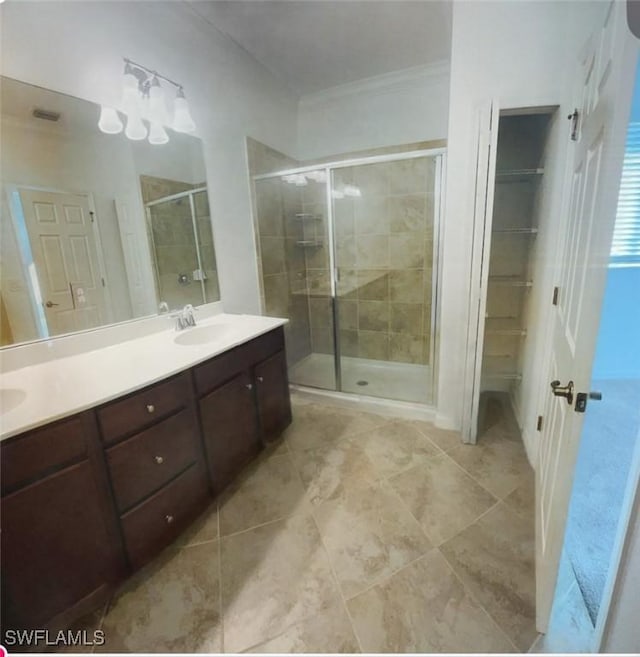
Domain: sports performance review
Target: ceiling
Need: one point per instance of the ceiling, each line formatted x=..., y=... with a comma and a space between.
x=315, y=45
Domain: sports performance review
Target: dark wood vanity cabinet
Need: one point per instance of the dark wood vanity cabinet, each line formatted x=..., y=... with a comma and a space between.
x=272, y=393
x=91, y=498
x=155, y=460
x=244, y=404
x=230, y=429
x=61, y=549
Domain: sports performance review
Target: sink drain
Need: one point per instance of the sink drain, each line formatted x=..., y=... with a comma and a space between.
x=363, y=383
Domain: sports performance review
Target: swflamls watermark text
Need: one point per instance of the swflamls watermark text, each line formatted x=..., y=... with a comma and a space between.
x=15, y=638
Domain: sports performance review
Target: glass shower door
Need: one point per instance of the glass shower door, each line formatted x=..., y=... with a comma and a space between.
x=174, y=250
x=384, y=219
x=294, y=257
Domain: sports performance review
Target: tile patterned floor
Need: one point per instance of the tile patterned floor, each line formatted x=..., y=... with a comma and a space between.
x=357, y=533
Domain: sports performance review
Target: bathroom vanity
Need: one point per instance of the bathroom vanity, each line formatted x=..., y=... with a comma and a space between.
x=89, y=498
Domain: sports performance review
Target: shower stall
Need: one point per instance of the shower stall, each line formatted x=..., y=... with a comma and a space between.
x=348, y=252
x=181, y=241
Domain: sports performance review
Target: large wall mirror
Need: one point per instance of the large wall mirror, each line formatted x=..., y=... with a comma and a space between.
x=95, y=229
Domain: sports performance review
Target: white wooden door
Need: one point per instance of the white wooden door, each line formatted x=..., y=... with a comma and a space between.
x=65, y=256
x=488, y=118
x=137, y=256
x=605, y=81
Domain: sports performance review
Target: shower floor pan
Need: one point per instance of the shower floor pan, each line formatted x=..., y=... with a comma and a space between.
x=376, y=378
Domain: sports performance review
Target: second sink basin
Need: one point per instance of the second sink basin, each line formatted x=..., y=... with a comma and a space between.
x=10, y=398
x=201, y=334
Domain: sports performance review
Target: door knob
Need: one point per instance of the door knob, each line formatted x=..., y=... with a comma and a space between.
x=582, y=397
x=563, y=391
x=50, y=304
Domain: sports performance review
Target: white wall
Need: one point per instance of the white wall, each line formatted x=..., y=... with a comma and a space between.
x=522, y=54
x=77, y=48
x=397, y=108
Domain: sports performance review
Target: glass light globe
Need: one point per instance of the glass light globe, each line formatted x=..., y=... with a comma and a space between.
x=157, y=134
x=136, y=129
x=182, y=121
x=109, y=121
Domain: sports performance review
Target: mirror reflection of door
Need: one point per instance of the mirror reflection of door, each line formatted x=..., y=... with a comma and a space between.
x=65, y=256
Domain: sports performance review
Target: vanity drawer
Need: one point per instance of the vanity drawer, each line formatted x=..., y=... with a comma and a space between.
x=216, y=371
x=143, y=463
x=41, y=451
x=138, y=410
x=157, y=521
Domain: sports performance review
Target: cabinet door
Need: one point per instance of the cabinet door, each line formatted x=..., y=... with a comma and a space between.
x=274, y=403
x=230, y=429
x=56, y=547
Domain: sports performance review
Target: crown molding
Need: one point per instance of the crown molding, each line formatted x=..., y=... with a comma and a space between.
x=378, y=84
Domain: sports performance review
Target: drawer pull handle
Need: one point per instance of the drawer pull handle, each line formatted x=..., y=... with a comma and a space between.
x=159, y=460
x=169, y=519
x=151, y=408
x=260, y=379
x=249, y=386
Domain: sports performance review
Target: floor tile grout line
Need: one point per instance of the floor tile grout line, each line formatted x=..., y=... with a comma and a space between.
x=220, y=599
x=330, y=562
x=463, y=469
x=337, y=583
x=473, y=522
x=385, y=578
x=405, y=506
x=439, y=548
x=425, y=435
x=478, y=602
x=435, y=544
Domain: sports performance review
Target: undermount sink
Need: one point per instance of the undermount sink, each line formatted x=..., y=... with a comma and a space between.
x=201, y=334
x=10, y=398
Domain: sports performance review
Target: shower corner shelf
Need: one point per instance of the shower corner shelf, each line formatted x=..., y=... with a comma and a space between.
x=310, y=244
x=303, y=216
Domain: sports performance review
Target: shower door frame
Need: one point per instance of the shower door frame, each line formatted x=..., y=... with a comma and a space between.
x=196, y=238
x=439, y=155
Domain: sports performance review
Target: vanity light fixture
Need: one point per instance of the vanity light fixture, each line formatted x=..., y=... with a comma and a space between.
x=144, y=98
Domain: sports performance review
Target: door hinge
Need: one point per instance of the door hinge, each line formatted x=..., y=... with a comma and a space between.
x=539, y=423
x=93, y=218
x=556, y=291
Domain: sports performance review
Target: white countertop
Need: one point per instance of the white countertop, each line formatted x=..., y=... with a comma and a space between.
x=58, y=388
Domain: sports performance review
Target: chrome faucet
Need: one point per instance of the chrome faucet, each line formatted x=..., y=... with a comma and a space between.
x=185, y=318
x=188, y=316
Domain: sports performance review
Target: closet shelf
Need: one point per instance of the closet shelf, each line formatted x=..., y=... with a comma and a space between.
x=518, y=175
x=500, y=367
x=516, y=231
x=504, y=326
x=513, y=281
